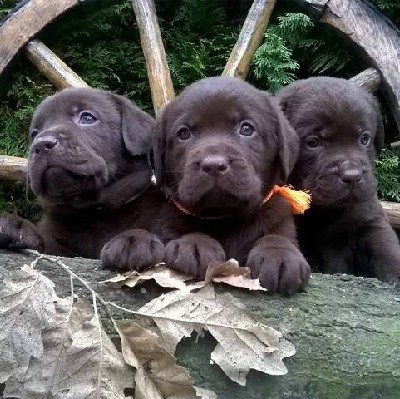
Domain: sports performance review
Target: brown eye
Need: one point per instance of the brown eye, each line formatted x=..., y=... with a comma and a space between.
x=246, y=129
x=365, y=138
x=313, y=141
x=86, y=118
x=34, y=133
x=183, y=133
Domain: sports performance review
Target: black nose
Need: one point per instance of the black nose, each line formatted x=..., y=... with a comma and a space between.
x=214, y=165
x=45, y=143
x=350, y=172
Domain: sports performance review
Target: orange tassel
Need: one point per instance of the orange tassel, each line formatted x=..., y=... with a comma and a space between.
x=299, y=200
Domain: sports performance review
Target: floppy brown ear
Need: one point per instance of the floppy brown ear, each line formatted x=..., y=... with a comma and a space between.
x=288, y=142
x=159, y=148
x=136, y=126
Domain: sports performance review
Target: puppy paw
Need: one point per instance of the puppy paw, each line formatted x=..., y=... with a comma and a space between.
x=133, y=249
x=18, y=233
x=193, y=253
x=281, y=269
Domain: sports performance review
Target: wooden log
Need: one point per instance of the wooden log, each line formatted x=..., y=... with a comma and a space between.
x=162, y=90
x=12, y=168
x=370, y=79
x=249, y=39
x=25, y=22
x=392, y=210
x=375, y=36
x=345, y=330
x=59, y=73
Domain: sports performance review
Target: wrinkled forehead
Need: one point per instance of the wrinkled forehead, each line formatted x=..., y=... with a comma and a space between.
x=210, y=106
x=346, y=112
x=70, y=102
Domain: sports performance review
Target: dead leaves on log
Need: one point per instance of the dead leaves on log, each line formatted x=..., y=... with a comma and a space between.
x=57, y=347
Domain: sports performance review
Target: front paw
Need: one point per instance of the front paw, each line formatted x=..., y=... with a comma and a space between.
x=193, y=253
x=281, y=269
x=18, y=233
x=133, y=249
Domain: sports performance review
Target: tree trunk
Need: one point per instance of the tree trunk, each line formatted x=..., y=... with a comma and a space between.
x=346, y=331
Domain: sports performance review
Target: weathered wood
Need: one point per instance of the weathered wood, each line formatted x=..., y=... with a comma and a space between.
x=249, y=39
x=376, y=38
x=12, y=168
x=26, y=22
x=346, y=331
x=59, y=73
x=162, y=90
x=392, y=210
x=368, y=79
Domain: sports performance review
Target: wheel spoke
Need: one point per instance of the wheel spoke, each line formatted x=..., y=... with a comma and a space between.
x=249, y=39
x=59, y=73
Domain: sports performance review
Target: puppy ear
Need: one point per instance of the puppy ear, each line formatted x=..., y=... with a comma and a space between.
x=159, y=148
x=288, y=142
x=136, y=126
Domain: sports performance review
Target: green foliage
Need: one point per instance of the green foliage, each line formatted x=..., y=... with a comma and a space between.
x=14, y=198
x=100, y=41
x=6, y=6
x=294, y=40
x=388, y=169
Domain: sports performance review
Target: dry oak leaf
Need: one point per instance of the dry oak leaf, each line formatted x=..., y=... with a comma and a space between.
x=77, y=359
x=157, y=374
x=243, y=343
x=163, y=276
x=26, y=304
x=228, y=272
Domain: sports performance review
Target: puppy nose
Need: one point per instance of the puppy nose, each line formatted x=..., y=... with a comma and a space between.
x=45, y=143
x=214, y=165
x=350, y=172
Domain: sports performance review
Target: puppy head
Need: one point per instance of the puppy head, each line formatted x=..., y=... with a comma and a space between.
x=82, y=140
x=340, y=130
x=221, y=145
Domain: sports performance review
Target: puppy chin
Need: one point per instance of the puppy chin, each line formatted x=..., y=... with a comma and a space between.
x=212, y=199
x=60, y=184
x=337, y=194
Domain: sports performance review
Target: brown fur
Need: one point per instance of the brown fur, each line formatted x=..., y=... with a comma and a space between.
x=89, y=167
x=340, y=130
x=203, y=161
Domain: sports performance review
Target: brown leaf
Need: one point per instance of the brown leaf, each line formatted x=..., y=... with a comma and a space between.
x=242, y=342
x=76, y=358
x=232, y=274
x=26, y=303
x=158, y=376
x=163, y=276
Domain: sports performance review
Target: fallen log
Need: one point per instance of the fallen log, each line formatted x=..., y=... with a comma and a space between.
x=346, y=332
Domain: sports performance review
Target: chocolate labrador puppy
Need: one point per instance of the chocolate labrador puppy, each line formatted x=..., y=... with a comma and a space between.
x=89, y=168
x=340, y=130
x=220, y=147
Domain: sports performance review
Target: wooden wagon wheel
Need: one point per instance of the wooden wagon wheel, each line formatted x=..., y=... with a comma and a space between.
x=356, y=19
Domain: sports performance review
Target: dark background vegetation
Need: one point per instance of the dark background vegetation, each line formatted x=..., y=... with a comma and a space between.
x=99, y=40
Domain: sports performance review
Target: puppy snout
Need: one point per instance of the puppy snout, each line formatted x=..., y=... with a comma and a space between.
x=214, y=165
x=351, y=172
x=43, y=144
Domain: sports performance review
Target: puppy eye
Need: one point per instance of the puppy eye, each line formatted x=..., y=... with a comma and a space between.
x=34, y=133
x=313, y=141
x=183, y=133
x=86, y=118
x=246, y=129
x=365, y=138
